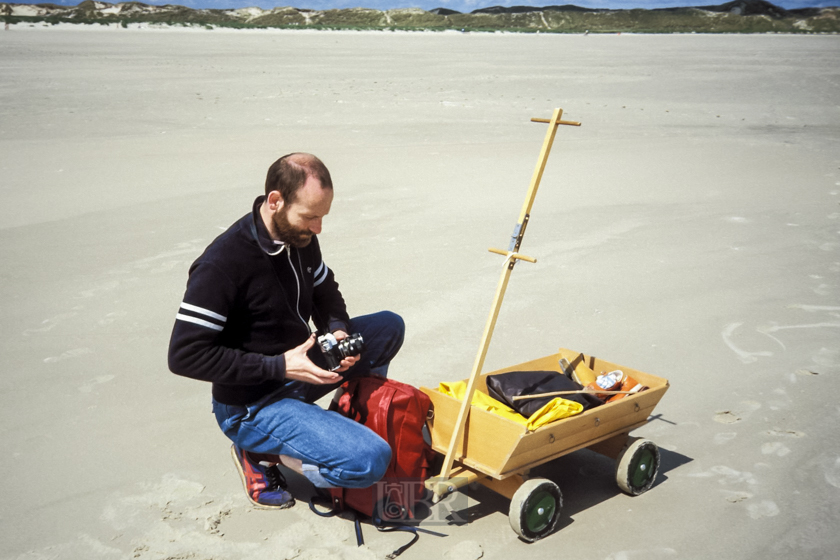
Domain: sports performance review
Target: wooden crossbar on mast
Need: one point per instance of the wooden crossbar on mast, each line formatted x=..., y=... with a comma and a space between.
x=440, y=485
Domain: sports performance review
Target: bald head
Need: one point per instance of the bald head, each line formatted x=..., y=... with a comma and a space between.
x=289, y=173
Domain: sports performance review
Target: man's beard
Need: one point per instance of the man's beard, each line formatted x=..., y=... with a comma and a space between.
x=287, y=233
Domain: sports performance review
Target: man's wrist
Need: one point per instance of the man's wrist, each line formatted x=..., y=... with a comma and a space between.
x=277, y=366
x=338, y=325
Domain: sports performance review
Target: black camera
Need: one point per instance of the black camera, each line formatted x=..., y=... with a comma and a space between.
x=336, y=350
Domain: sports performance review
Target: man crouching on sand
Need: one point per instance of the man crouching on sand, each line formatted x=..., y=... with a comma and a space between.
x=244, y=326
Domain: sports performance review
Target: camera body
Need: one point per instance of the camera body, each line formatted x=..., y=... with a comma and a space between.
x=336, y=350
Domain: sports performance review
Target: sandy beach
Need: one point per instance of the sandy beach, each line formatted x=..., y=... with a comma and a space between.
x=690, y=228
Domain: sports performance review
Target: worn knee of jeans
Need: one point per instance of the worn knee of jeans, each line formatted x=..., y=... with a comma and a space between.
x=365, y=468
x=379, y=463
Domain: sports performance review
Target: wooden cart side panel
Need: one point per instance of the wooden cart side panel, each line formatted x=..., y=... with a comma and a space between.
x=488, y=438
x=596, y=424
x=539, y=447
x=524, y=463
x=630, y=410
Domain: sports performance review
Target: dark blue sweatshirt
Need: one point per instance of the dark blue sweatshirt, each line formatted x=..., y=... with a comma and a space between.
x=247, y=302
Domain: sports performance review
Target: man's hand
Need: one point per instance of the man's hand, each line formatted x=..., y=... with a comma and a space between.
x=300, y=368
x=347, y=362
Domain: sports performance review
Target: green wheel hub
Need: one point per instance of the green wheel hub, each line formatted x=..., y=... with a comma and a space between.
x=540, y=511
x=642, y=468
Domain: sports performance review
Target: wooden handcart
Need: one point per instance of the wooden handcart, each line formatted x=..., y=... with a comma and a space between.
x=480, y=446
x=498, y=453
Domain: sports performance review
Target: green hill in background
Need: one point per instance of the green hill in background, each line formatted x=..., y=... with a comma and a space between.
x=739, y=16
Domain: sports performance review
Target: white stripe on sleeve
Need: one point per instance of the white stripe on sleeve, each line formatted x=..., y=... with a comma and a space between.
x=198, y=321
x=321, y=275
x=202, y=311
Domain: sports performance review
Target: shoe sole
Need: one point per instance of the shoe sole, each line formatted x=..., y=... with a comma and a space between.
x=244, y=480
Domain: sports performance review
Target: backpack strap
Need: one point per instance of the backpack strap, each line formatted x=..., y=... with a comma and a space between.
x=336, y=509
x=405, y=547
x=406, y=528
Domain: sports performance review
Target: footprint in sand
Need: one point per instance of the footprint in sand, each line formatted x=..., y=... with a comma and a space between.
x=165, y=267
x=775, y=448
x=731, y=476
x=832, y=472
x=756, y=510
x=49, y=324
x=99, y=289
x=111, y=317
x=88, y=388
x=780, y=403
x=785, y=433
x=823, y=290
x=732, y=416
x=464, y=550
x=737, y=497
x=74, y=353
x=765, y=508
x=725, y=437
x=726, y=417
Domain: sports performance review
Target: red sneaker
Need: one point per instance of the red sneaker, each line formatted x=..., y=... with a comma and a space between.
x=265, y=486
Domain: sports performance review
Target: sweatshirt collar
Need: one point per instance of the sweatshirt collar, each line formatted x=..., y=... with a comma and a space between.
x=264, y=240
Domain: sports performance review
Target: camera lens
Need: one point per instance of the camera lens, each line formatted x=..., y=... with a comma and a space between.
x=351, y=346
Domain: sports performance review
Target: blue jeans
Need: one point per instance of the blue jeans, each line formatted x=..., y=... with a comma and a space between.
x=335, y=450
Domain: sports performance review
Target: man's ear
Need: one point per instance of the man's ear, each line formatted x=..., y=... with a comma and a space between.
x=275, y=201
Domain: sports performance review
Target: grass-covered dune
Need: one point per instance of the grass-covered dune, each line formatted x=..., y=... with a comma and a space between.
x=740, y=16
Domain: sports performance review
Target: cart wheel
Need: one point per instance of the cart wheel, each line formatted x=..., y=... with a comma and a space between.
x=535, y=509
x=636, y=466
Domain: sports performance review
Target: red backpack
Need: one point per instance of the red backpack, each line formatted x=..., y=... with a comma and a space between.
x=397, y=412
